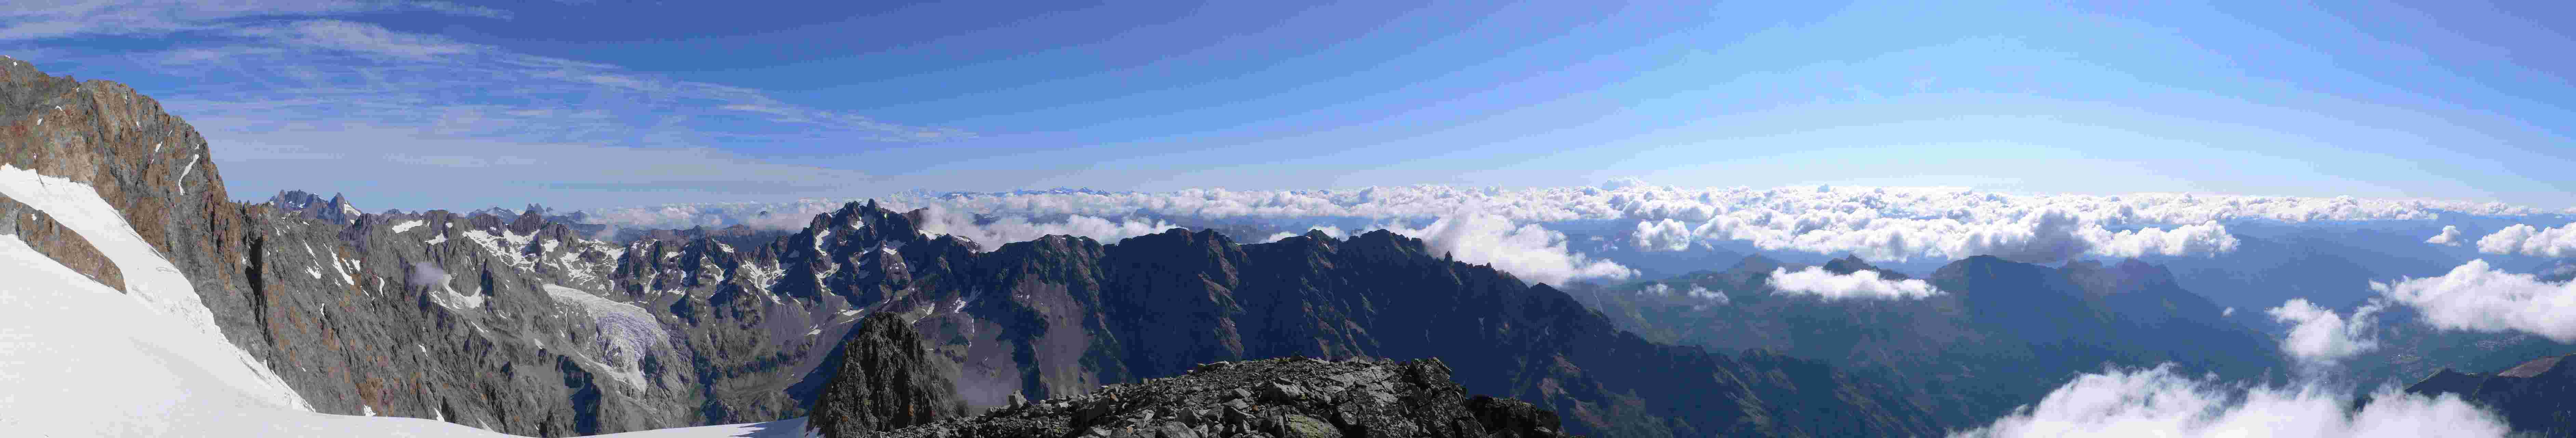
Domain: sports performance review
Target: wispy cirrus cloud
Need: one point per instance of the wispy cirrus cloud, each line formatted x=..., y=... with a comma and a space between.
x=353, y=100
x=38, y=19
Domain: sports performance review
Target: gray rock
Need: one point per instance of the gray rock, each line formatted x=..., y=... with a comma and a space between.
x=1174, y=407
x=885, y=382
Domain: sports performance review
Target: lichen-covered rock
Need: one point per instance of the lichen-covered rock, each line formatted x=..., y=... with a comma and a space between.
x=885, y=382
x=1355, y=399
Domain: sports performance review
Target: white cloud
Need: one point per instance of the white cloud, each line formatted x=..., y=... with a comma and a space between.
x=1328, y=230
x=2319, y=336
x=1701, y=292
x=1663, y=235
x=1858, y=284
x=2159, y=402
x=1529, y=251
x=1020, y=229
x=1695, y=291
x=2533, y=241
x=423, y=273
x=357, y=38
x=2478, y=297
x=2450, y=236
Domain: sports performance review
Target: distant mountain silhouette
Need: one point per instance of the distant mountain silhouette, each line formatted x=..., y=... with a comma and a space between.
x=2536, y=396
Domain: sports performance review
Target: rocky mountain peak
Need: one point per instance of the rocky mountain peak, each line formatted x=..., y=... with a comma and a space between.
x=885, y=382
x=1852, y=263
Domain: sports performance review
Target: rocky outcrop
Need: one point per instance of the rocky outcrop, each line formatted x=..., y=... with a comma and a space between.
x=885, y=382
x=48, y=236
x=2536, y=397
x=1292, y=397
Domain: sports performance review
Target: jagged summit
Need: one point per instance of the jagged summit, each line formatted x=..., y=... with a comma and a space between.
x=336, y=209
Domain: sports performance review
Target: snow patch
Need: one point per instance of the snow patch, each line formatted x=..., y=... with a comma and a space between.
x=407, y=226
x=449, y=298
x=182, y=182
x=505, y=246
x=627, y=332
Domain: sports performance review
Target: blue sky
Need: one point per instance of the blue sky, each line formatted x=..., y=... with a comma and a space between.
x=585, y=104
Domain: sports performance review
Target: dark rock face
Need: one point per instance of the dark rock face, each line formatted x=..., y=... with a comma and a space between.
x=48, y=236
x=1304, y=398
x=885, y=382
x=2535, y=397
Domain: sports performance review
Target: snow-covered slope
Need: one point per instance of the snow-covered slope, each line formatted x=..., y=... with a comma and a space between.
x=80, y=359
x=788, y=428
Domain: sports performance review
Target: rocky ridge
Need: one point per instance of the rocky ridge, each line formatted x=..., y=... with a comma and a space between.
x=1290, y=397
x=2533, y=397
x=335, y=209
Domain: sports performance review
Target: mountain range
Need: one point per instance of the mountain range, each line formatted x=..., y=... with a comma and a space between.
x=533, y=322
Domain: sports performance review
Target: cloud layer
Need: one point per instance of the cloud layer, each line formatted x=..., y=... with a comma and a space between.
x=2160, y=402
x=2477, y=297
x=2532, y=241
x=1894, y=224
x=2319, y=336
x=1859, y=284
x=1529, y=251
x=1019, y=229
